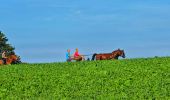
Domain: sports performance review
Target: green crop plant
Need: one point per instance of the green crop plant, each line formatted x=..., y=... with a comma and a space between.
x=131, y=79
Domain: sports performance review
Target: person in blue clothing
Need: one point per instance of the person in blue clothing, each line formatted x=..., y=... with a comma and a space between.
x=68, y=56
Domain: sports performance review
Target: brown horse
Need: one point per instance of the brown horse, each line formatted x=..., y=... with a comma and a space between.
x=9, y=60
x=109, y=56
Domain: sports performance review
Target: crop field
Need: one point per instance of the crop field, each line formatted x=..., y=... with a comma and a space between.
x=132, y=79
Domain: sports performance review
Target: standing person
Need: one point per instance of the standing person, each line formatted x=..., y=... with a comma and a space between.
x=77, y=56
x=68, y=56
x=4, y=56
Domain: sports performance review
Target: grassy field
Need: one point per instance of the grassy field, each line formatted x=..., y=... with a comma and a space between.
x=133, y=79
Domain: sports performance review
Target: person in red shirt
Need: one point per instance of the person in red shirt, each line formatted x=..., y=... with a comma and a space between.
x=77, y=56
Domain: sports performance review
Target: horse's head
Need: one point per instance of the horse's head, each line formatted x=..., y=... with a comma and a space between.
x=13, y=57
x=119, y=53
x=122, y=53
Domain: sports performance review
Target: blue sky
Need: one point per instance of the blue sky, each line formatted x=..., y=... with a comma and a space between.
x=42, y=30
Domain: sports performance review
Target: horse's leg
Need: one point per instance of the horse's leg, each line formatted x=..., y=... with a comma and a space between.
x=1, y=62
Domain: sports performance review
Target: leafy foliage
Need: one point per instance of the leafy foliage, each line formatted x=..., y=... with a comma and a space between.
x=132, y=79
x=4, y=46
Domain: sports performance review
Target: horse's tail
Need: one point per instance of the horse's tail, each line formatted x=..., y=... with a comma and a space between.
x=93, y=57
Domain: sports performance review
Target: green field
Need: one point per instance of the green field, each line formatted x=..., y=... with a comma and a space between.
x=132, y=79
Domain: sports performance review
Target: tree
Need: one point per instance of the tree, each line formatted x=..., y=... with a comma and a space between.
x=4, y=45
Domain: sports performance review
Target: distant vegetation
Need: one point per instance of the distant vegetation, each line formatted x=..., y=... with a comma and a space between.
x=133, y=79
x=4, y=45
